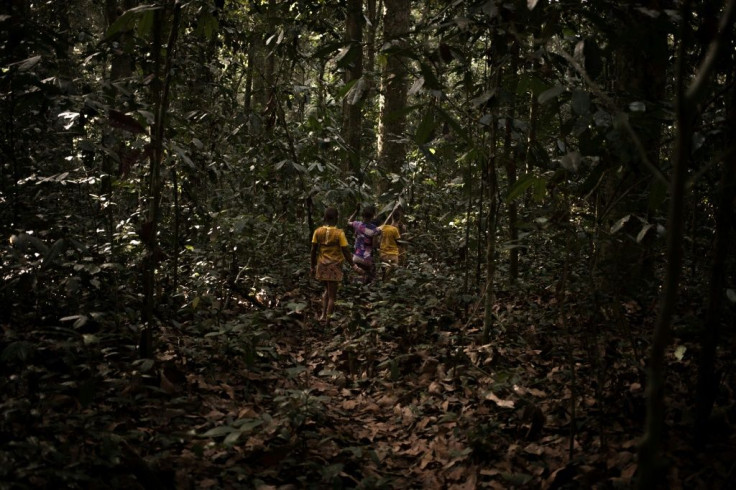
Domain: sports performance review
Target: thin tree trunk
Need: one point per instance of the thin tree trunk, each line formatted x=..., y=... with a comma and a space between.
x=493, y=206
x=488, y=299
x=510, y=157
x=149, y=231
x=686, y=108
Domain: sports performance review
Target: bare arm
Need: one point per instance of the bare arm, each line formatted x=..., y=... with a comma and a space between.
x=313, y=257
x=348, y=256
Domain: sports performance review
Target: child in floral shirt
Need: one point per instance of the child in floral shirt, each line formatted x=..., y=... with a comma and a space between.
x=367, y=236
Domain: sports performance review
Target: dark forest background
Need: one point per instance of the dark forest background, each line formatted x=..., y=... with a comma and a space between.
x=565, y=315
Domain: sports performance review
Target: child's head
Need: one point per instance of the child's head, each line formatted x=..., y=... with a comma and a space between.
x=368, y=212
x=330, y=216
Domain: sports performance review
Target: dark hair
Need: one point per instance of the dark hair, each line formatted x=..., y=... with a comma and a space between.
x=368, y=212
x=330, y=215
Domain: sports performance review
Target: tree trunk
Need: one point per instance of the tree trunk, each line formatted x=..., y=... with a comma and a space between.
x=493, y=207
x=391, y=146
x=353, y=102
x=510, y=158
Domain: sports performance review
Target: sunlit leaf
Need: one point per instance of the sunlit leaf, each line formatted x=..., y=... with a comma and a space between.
x=221, y=430
x=620, y=223
x=643, y=232
x=550, y=94
x=29, y=63
x=680, y=352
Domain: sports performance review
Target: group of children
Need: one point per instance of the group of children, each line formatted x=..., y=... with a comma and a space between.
x=330, y=250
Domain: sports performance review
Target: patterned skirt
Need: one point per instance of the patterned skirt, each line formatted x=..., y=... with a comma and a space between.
x=329, y=272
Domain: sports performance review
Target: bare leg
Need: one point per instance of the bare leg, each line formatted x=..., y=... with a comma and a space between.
x=331, y=295
x=325, y=298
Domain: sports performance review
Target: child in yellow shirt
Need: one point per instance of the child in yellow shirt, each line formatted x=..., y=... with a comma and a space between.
x=390, y=236
x=329, y=250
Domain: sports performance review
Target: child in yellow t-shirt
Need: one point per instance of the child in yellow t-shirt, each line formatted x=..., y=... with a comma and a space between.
x=389, y=243
x=329, y=250
x=390, y=236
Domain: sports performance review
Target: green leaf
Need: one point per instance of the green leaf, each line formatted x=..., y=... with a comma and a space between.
x=346, y=88
x=209, y=24
x=425, y=129
x=571, y=161
x=459, y=131
x=550, y=94
x=643, y=232
x=53, y=252
x=517, y=479
x=657, y=195
x=538, y=186
x=293, y=372
x=145, y=26
x=220, y=431
x=520, y=186
x=127, y=20
x=430, y=80
x=580, y=102
x=29, y=63
x=530, y=83
x=232, y=438
x=731, y=295
x=680, y=352
x=620, y=224
x=17, y=351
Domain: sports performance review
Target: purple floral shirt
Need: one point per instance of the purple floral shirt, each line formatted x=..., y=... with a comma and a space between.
x=366, y=234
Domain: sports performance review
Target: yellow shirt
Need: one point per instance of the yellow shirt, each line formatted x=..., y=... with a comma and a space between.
x=389, y=235
x=330, y=240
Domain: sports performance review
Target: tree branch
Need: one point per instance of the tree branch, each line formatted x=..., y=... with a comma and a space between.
x=696, y=90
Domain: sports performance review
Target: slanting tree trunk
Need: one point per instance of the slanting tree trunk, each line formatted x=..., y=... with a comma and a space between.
x=686, y=109
x=353, y=102
x=493, y=207
x=391, y=146
x=149, y=229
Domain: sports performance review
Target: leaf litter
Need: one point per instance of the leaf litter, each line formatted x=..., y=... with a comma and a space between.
x=377, y=400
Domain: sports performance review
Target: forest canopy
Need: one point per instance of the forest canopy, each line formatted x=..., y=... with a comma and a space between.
x=563, y=175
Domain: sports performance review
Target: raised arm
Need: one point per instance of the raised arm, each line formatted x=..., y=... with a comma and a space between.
x=348, y=256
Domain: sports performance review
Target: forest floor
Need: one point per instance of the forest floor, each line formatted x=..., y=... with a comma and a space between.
x=394, y=394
